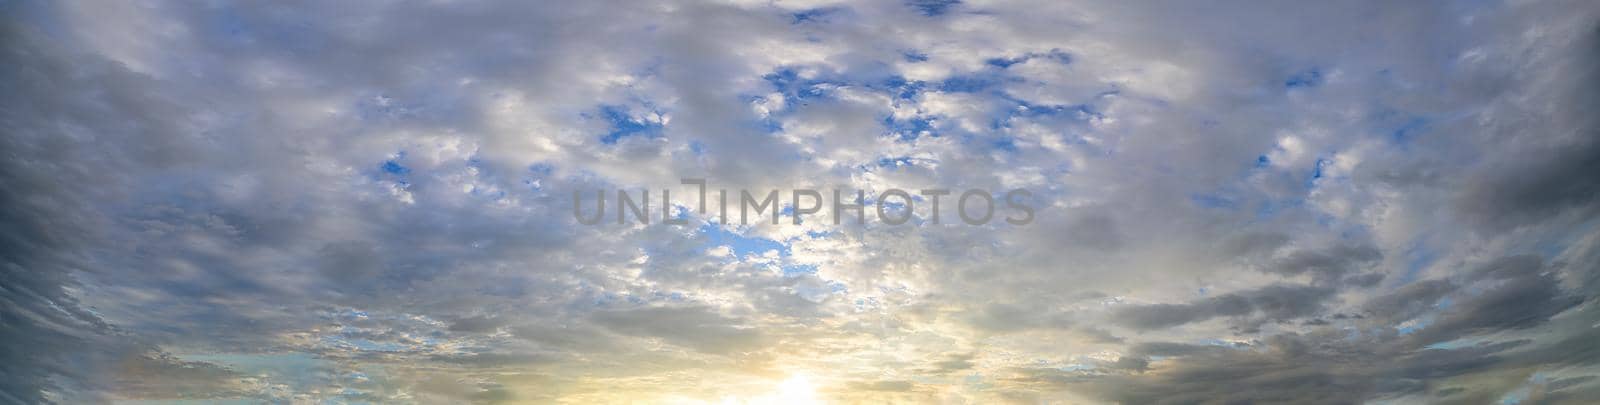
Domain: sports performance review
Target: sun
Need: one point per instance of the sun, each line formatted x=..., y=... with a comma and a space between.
x=795, y=390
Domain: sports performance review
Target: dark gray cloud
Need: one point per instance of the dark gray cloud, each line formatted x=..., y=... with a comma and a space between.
x=53, y=343
x=1535, y=181
x=1328, y=265
x=1349, y=363
x=1274, y=303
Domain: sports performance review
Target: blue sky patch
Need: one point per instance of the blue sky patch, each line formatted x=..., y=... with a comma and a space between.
x=624, y=125
x=911, y=128
x=1409, y=130
x=895, y=162
x=900, y=87
x=1004, y=143
x=968, y=83
x=1317, y=171
x=1054, y=54
x=742, y=245
x=393, y=167
x=1005, y=62
x=933, y=8
x=795, y=88
x=1309, y=78
x=813, y=15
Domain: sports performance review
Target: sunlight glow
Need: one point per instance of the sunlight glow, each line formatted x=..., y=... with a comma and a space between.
x=796, y=390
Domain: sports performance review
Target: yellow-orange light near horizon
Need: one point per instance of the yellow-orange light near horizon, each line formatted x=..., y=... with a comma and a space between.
x=796, y=390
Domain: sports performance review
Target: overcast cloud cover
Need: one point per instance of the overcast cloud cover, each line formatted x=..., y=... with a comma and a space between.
x=370, y=201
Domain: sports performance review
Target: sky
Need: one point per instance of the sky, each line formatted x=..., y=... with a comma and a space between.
x=372, y=202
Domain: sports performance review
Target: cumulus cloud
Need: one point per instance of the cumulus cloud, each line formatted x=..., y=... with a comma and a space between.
x=371, y=201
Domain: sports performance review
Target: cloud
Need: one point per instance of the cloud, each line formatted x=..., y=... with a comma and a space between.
x=370, y=202
x=1272, y=303
x=696, y=328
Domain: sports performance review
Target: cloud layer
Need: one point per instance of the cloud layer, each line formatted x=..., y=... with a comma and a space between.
x=372, y=202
